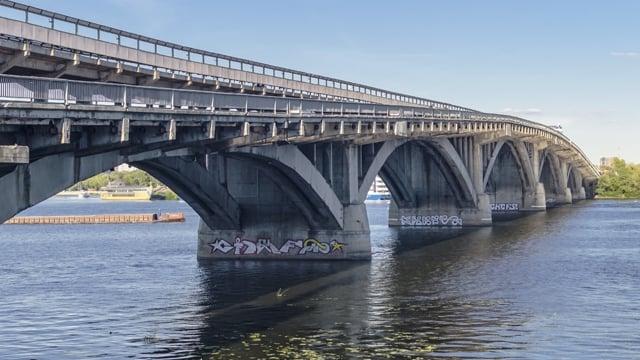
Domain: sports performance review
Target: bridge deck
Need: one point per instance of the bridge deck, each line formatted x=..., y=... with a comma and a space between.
x=32, y=99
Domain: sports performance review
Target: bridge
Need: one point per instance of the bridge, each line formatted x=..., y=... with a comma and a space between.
x=276, y=162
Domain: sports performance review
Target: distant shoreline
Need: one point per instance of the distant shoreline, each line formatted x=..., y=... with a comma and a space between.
x=615, y=198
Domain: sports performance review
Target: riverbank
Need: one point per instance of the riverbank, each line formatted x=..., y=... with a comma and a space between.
x=621, y=198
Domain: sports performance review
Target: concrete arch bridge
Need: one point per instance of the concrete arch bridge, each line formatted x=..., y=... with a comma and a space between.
x=282, y=177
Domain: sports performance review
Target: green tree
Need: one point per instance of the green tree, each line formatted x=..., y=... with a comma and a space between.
x=620, y=180
x=129, y=178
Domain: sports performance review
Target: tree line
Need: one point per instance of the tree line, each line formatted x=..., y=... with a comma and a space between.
x=620, y=180
x=130, y=178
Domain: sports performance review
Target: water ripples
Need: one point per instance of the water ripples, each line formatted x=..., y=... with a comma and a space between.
x=561, y=284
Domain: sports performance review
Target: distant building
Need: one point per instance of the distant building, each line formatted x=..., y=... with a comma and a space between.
x=125, y=168
x=606, y=162
x=379, y=186
x=378, y=192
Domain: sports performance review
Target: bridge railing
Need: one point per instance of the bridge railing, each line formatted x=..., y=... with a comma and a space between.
x=46, y=90
x=69, y=24
x=60, y=91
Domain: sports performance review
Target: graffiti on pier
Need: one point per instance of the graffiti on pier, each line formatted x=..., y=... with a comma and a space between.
x=430, y=220
x=264, y=246
x=505, y=207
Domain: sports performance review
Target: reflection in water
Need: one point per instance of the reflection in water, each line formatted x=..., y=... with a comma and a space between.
x=401, y=304
x=553, y=284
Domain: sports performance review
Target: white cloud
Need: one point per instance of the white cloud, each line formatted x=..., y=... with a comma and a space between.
x=626, y=54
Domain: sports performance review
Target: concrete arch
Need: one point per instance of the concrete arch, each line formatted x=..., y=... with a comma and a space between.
x=376, y=166
x=401, y=192
x=429, y=184
x=575, y=184
x=505, y=182
x=520, y=155
x=441, y=151
x=550, y=175
x=193, y=184
x=453, y=168
x=300, y=179
x=28, y=185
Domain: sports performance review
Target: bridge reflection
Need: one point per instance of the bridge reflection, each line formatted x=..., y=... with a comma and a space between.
x=410, y=301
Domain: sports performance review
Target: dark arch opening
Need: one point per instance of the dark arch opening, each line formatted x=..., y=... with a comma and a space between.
x=549, y=178
x=417, y=174
x=506, y=185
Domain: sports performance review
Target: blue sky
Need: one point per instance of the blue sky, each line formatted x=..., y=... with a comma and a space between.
x=574, y=63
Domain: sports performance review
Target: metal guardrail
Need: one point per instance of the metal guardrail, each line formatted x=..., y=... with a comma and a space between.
x=60, y=91
x=144, y=43
x=69, y=92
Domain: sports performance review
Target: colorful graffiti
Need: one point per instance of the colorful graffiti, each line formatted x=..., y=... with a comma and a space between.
x=264, y=246
x=505, y=207
x=430, y=220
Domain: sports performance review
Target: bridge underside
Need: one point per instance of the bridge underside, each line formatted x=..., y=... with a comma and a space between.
x=272, y=177
x=302, y=198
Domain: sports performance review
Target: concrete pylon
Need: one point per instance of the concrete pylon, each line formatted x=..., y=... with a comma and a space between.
x=288, y=210
x=535, y=199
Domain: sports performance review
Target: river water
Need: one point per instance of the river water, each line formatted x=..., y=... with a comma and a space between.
x=560, y=284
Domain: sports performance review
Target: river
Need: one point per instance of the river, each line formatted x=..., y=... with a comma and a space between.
x=560, y=284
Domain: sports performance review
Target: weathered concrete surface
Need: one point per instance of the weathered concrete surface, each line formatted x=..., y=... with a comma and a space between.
x=14, y=154
x=275, y=240
x=30, y=184
x=428, y=190
x=288, y=209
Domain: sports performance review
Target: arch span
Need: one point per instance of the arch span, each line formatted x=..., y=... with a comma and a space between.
x=509, y=179
x=553, y=180
x=28, y=185
x=288, y=207
x=429, y=184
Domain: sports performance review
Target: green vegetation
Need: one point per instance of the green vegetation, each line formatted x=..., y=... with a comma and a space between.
x=167, y=195
x=620, y=180
x=129, y=178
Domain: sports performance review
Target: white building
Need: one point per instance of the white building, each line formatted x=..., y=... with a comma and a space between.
x=379, y=186
x=124, y=167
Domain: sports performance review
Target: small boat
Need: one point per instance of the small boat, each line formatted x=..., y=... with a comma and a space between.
x=67, y=194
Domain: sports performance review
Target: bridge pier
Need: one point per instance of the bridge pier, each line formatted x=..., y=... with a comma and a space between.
x=442, y=216
x=534, y=199
x=274, y=240
x=581, y=195
x=287, y=208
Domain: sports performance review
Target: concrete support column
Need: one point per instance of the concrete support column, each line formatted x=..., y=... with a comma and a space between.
x=566, y=197
x=535, y=198
x=355, y=231
x=484, y=216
